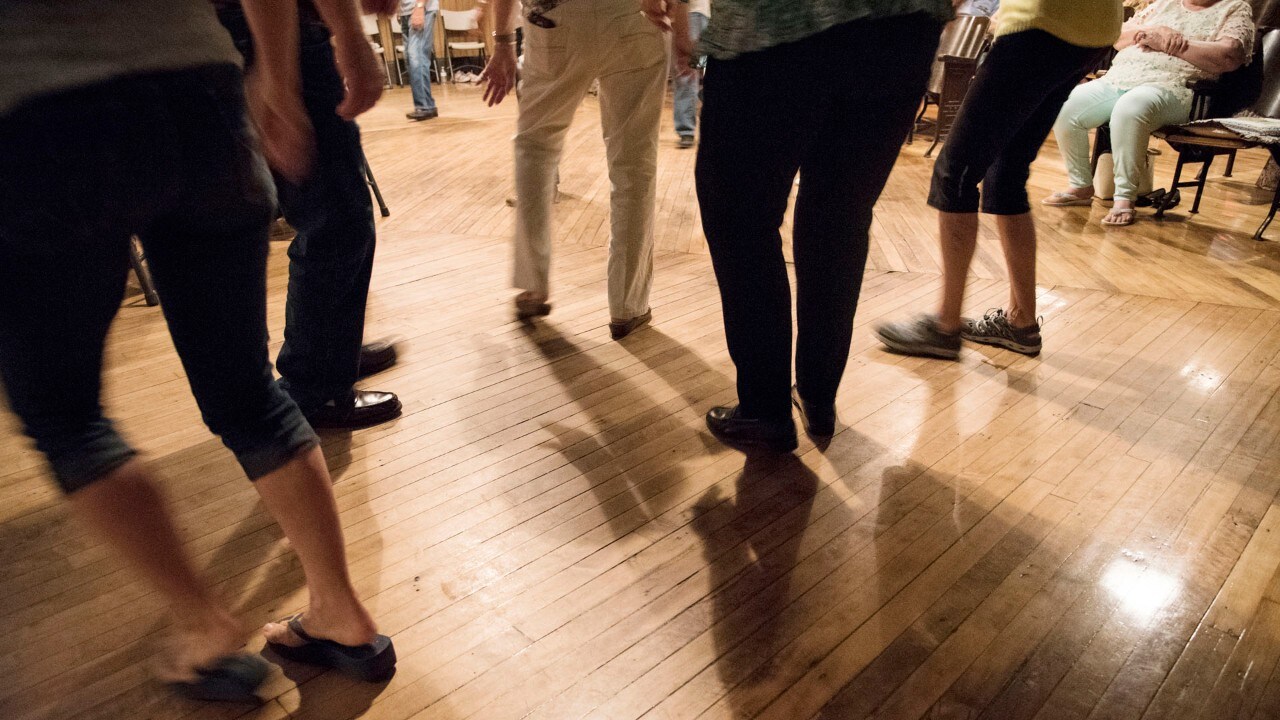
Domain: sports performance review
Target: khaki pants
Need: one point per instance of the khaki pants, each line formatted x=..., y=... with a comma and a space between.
x=609, y=40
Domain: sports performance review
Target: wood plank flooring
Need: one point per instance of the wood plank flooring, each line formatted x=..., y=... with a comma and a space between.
x=549, y=532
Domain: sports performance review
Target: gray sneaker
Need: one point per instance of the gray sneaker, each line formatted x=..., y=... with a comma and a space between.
x=994, y=329
x=920, y=337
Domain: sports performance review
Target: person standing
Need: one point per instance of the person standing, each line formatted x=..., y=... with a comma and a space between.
x=167, y=154
x=418, y=24
x=331, y=258
x=1042, y=51
x=843, y=80
x=569, y=45
x=689, y=85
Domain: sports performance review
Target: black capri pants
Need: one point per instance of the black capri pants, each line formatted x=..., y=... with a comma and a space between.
x=1005, y=118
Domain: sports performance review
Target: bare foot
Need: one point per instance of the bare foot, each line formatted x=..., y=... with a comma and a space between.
x=354, y=627
x=199, y=644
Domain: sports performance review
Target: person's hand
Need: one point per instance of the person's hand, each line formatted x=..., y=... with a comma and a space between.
x=1165, y=39
x=361, y=76
x=658, y=12
x=499, y=76
x=378, y=7
x=418, y=19
x=276, y=108
x=682, y=52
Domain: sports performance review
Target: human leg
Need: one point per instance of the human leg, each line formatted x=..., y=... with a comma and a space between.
x=631, y=91
x=842, y=175
x=685, y=100
x=208, y=253
x=1005, y=196
x=555, y=75
x=76, y=185
x=1142, y=110
x=1088, y=106
x=743, y=188
x=419, y=44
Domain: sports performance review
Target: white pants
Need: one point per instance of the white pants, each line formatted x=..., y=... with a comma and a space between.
x=611, y=41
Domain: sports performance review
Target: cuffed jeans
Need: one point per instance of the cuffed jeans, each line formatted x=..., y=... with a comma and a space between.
x=840, y=124
x=418, y=45
x=1133, y=114
x=331, y=259
x=687, y=86
x=169, y=157
x=612, y=41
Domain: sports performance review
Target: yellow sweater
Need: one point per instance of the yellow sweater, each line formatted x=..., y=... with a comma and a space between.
x=1087, y=23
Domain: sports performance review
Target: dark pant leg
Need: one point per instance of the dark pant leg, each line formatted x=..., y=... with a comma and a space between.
x=1022, y=72
x=208, y=253
x=879, y=72
x=331, y=259
x=755, y=119
x=73, y=184
x=1004, y=187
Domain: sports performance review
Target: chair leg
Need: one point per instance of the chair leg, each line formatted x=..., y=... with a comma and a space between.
x=1231, y=164
x=1201, y=179
x=137, y=261
x=1177, y=177
x=937, y=137
x=1275, y=205
x=373, y=185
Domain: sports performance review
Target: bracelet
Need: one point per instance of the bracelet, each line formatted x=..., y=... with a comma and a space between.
x=504, y=38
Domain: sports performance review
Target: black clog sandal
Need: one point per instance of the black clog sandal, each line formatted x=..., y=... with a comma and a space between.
x=232, y=678
x=372, y=662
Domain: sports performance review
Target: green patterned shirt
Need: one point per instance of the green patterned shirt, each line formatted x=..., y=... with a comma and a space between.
x=742, y=26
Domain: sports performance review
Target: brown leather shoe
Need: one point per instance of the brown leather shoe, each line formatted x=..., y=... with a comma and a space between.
x=622, y=328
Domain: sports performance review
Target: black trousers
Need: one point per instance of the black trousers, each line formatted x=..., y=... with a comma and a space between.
x=331, y=259
x=836, y=107
x=1006, y=116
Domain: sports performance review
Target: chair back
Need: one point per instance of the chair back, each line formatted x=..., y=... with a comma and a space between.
x=460, y=21
x=1266, y=58
x=965, y=37
x=370, y=24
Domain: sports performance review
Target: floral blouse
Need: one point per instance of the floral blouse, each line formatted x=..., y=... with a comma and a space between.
x=741, y=26
x=1135, y=66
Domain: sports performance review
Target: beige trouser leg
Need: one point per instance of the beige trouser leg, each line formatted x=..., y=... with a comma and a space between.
x=630, y=113
x=610, y=40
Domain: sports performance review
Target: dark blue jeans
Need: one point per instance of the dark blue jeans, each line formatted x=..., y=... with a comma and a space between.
x=331, y=259
x=169, y=157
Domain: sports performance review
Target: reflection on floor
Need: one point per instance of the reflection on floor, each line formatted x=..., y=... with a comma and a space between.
x=549, y=533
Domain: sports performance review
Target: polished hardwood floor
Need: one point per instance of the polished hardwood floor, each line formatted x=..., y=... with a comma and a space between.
x=549, y=532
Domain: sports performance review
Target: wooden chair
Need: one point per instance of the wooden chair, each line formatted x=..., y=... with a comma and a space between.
x=464, y=24
x=1256, y=87
x=963, y=42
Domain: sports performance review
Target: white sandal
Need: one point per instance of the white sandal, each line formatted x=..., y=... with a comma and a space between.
x=1125, y=217
x=1066, y=199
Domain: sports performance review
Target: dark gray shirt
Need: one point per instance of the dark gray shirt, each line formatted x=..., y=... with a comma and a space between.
x=47, y=46
x=741, y=26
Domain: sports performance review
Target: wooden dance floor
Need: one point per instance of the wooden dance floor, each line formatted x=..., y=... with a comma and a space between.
x=549, y=532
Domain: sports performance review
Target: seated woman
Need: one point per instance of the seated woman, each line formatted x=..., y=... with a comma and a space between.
x=1162, y=49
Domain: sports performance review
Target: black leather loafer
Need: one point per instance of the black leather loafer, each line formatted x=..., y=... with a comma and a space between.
x=818, y=421
x=736, y=431
x=366, y=408
x=377, y=356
